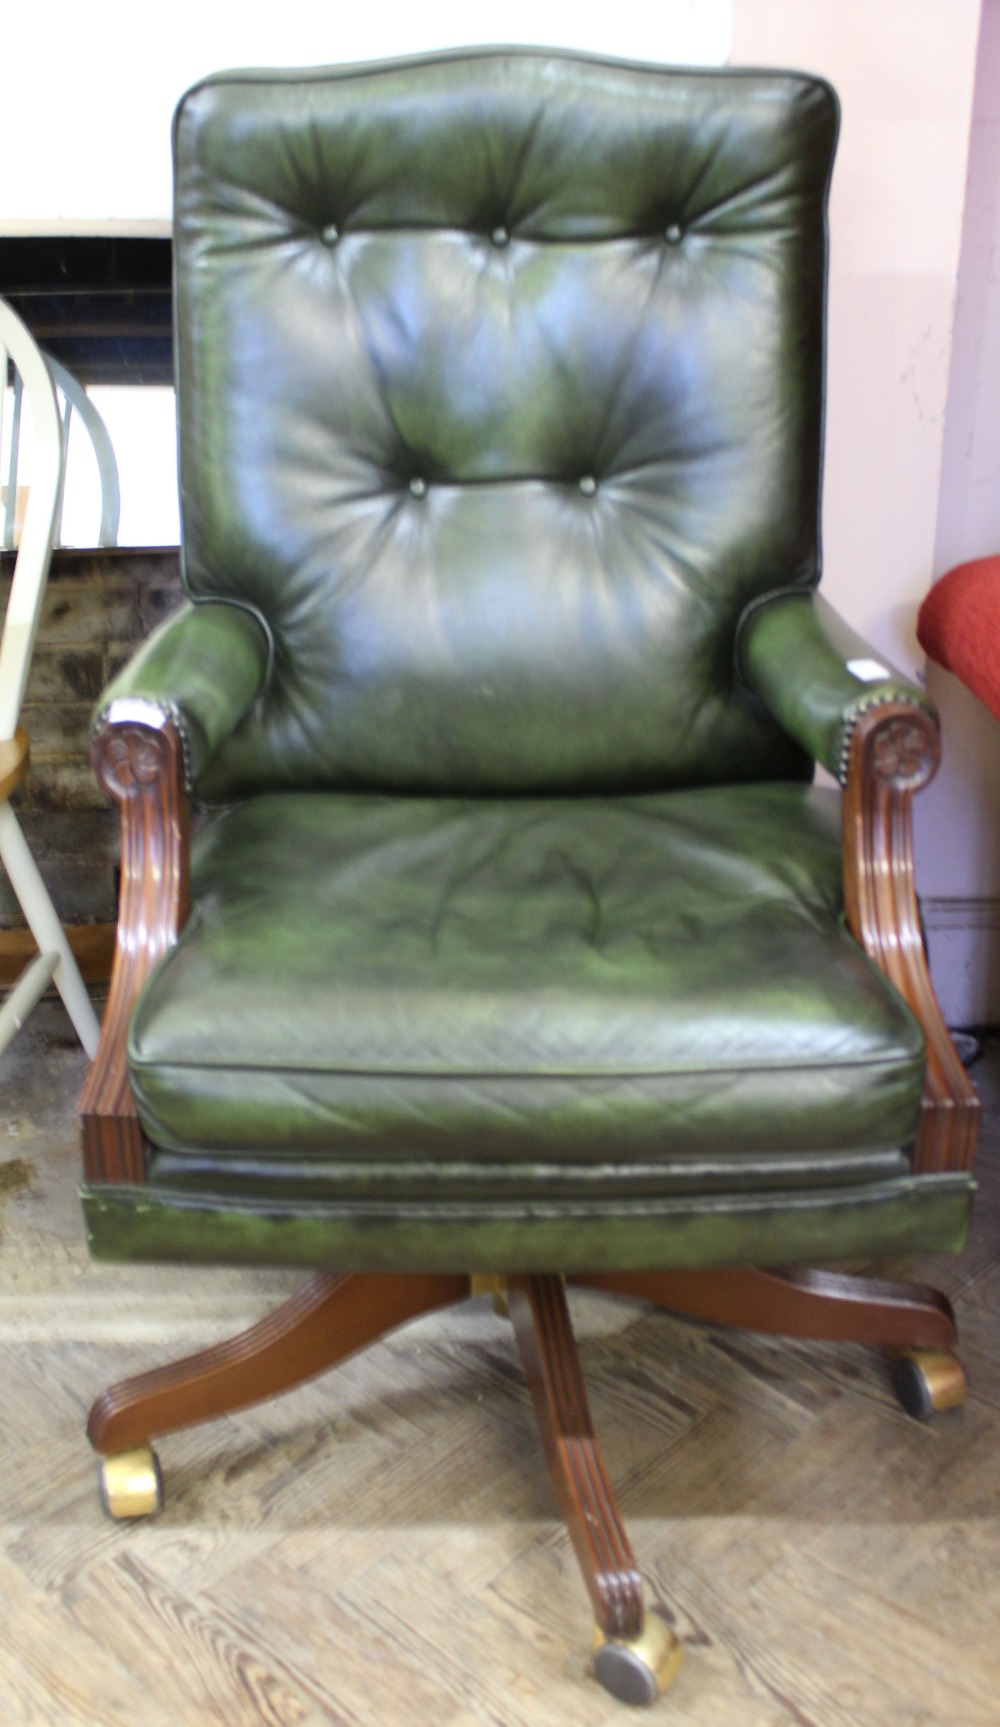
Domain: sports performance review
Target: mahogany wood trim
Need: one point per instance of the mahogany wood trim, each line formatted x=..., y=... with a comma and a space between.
x=894, y=750
x=91, y=944
x=836, y=1306
x=542, y=1326
x=330, y=1318
x=14, y=754
x=141, y=766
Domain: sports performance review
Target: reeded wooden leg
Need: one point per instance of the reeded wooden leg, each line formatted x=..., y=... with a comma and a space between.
x=328, y=1320
x=635, y=1657
x=820, y=1304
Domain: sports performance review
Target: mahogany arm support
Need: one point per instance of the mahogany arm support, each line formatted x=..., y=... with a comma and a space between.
x=158, y=726
x=893, y=751
x=138, y=759
x=879, y=736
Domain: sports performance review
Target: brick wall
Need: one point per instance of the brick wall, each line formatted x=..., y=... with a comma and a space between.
x=99, y=605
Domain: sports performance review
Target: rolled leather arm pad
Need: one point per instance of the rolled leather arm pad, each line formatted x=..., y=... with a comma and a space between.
x=796, y=654
x=204, y=668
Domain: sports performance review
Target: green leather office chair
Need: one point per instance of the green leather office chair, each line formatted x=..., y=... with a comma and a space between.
x=515, y=947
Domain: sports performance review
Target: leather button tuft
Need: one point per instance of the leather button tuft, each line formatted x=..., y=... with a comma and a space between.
x=674, y=234
x=330, y=234
x=588, y=485
x=500, y=236
x=418, y=487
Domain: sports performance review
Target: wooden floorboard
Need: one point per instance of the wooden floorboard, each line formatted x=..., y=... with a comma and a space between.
x=381, y=1546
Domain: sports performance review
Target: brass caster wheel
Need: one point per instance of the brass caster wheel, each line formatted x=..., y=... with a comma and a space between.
x=488, y=1283
x=131, y=1483
x=927, y=1380
x=639, y=1671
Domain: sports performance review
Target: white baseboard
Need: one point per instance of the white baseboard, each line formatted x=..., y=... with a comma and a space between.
x=963, y=943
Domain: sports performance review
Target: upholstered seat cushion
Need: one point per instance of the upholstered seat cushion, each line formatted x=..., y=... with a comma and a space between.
x=433, y=995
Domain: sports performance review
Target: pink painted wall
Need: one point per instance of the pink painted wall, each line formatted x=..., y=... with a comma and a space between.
x=904, y=71
x=958, y=829
x=913, y=430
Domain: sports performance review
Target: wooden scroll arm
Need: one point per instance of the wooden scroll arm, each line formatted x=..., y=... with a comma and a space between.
x=137, y=757
x=894, y=749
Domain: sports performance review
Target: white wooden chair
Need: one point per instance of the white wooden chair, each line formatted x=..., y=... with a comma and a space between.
x=54, y=961
x=73, y=398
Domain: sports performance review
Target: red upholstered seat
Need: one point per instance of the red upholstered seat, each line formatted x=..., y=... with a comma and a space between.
x=959, y=627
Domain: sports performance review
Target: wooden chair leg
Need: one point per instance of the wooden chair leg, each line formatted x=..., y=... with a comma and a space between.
x=635, y=1657
x=329, y=1319
x=911, y=1320
x=820, y=1304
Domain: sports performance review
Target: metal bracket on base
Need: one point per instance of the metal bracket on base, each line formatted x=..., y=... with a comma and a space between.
x=489, y=1283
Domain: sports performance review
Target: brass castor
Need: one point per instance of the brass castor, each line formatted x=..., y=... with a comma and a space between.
x=639, y=1671
x=131, y=1483
x=927, y=1380
x=493, y=1285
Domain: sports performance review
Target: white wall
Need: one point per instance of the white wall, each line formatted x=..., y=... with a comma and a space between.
x=142, y=428
x=96, y=83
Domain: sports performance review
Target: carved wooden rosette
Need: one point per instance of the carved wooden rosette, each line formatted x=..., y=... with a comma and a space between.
x=141, y=766
x=894, y=751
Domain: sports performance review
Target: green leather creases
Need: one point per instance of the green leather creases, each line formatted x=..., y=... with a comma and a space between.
x=205, y=666
x=289, y=1177
x=523, y=981
x=500, y=397
x=796, y=652
x=911, y=1215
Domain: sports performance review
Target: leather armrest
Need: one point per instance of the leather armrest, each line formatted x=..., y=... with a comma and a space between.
x=816, y=675
x=203, y=668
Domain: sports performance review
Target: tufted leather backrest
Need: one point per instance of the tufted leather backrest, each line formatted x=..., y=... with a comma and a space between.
x=500, y=394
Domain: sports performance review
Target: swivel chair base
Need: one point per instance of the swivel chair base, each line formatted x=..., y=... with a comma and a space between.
x=636, y=1655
